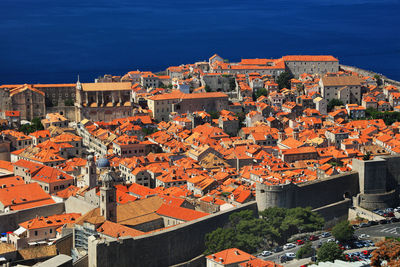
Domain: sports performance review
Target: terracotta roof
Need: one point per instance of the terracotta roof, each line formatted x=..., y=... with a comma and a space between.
x=230, y=256
x=341, y=80
x=54, y=220
x=310, y=58
x=106, y=86
x=30, y=194
x=180, y=213
x=117, y=230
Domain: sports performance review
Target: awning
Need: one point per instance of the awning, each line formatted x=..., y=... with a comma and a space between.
x=32, y=243
x=19, y=231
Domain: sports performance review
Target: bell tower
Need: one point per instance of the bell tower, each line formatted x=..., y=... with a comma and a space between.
x=108, y=200
x=90, y=175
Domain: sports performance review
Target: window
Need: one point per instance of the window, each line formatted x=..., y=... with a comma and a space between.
x=51, y=231
x=36, y=232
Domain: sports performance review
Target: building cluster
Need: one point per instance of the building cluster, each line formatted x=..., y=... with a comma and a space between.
x=144, y=152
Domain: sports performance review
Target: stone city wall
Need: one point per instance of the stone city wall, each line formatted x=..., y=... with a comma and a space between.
x=164, y=248
x=9, y=221
x=313, y=194
x=371, y=73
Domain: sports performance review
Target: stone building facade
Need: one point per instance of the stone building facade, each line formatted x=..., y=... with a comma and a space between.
x=103, y=101
x=26, y=99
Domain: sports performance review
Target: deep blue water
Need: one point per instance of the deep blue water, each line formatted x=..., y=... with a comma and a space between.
x=54, y=41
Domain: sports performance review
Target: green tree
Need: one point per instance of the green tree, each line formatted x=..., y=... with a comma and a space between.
x=378, y=79
x=305, y=251
x=283, y=80
x=35, y=125
x=334, y=102
x=220, y=239
x=343, y=231
x=214, y=115
x=207, y=88
x=260, y=92
x=241, y=117
x=329, y=251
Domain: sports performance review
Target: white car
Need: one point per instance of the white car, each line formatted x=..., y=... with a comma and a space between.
x=363, y=236
x=266, y=253
x=289, y=246
x=331, y=240
x=290, y=255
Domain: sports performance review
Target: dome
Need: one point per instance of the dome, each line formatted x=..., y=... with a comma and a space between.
x=103, y=163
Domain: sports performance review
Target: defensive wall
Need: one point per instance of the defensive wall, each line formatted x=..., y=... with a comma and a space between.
x=315, y=194
x=370, y=73
x=164, y=248
x=335, y=212
x=9, y=221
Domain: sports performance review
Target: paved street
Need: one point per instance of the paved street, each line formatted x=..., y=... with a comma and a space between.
x=381, y=230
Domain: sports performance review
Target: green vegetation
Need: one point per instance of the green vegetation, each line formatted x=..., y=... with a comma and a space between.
x=305, y=251
x=241, y=117
x=69, y=102
x=148, y=131
x=214, y=115
x=389, y=117
x=333, y=103
x=260, y=92
x=378, y=79
x=283, y=80
x=329, y=251
x=35, y=125
x=207, y=88
x=248, y=232
x=343, y=231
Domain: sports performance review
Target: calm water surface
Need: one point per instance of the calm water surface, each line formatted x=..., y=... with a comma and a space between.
x=53, y=41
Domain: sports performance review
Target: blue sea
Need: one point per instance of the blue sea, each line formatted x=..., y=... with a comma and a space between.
x=44, y=41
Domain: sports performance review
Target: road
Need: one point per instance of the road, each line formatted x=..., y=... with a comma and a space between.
x=276, y=256
x=381, y=230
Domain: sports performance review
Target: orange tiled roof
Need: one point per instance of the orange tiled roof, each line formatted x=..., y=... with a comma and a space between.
x=180, y=213
x=50, y=221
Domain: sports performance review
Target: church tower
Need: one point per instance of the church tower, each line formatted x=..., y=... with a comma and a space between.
x=90, y=175
x=78, y=101
x=108, y=200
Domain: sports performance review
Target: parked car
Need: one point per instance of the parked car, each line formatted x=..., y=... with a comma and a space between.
x=290, y=255
x=283, y=259
x=374, y=222
x=331, y=240
x=313, y=238
x=383, y=221
x=363, y=236
x=362, y=225
x=394, y=219
x=299, y=242
x=289, y=246
x=325, y=234
x=266, y=253
x=277, y=249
